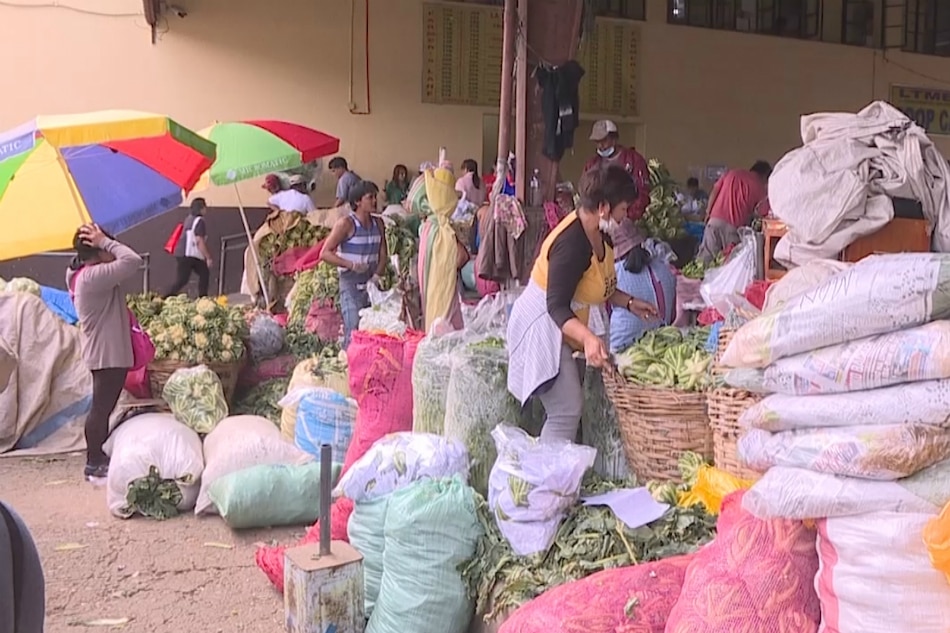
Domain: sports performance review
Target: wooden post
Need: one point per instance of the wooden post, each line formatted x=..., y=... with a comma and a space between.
x=521, y=104
x=504, y=111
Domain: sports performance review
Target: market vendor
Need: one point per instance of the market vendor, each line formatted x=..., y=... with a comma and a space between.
x=643, y=271
x=293, y=199
x=606, y=137
x=357, y=247
x=553, y=318
x=735, y=199
x=441, y=254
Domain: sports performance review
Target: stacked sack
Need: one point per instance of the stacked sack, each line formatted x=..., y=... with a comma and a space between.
x=856, y=433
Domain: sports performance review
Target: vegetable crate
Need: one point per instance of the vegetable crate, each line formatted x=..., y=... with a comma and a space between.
x=657, y=425
x=159, y=371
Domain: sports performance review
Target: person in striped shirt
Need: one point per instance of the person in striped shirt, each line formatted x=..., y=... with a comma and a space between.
x=357, y=247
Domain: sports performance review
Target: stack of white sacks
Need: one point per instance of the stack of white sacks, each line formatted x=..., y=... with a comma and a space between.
x=856, y=434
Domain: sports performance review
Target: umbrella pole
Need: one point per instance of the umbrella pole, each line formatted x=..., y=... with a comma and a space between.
x=252, y=246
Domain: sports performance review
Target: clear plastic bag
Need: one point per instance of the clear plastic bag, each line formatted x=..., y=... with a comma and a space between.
x=384, y=313
x=532, y=485
x=196, y=398
x=400, y=459
x=430, y=380
x=721, y=285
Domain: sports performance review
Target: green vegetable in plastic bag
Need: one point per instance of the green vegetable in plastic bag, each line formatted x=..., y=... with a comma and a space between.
x=431, y=370
x=154, y=497
x=196, y=398
x=269, y=495
x=477, y=400
x=22, y=284
x=601, y=430
x=431, y=530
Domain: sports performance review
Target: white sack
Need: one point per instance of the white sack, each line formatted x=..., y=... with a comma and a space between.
x=152, y=439
x=802, y=279
x=239, y=442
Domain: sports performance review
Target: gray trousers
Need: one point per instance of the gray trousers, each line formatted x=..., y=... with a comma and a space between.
x=564, y=400
x=718, y=236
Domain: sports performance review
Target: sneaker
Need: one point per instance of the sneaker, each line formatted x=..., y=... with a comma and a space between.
x=96, y=472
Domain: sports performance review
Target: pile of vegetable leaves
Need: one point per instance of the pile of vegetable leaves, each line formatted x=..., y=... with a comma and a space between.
x=589, y=540
x=154, y=497
x=262, y=399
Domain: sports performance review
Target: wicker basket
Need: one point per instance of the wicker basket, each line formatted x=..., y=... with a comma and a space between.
x=725, y=337
x=159, y=371
x=726, y=406
x=657, y=425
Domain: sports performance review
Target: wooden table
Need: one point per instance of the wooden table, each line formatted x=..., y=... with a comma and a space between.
x=900, y=235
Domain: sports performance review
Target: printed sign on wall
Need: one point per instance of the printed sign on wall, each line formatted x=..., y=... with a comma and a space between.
x=928, y=107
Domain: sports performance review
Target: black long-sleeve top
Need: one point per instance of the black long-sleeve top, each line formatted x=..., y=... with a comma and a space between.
x=568, y=259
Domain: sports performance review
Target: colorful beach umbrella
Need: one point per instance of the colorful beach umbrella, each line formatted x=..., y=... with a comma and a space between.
x=249, y=149
x=115, y=168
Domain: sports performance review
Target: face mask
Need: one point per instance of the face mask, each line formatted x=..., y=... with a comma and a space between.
x=608, y=225
x=606, y=153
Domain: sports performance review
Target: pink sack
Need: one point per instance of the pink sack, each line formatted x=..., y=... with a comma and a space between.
x=324, y=321
x=279, y=367
x=757, y=576
x=298, y=259
x=687, y=291
x=598, y=603
x=136, y=383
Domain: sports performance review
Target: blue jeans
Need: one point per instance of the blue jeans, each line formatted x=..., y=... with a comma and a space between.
x=353, y=298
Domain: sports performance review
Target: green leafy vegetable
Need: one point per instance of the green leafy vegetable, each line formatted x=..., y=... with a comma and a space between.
x=153, y=497
x=261, y=400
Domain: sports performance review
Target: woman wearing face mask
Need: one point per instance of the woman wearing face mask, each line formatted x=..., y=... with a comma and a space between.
x=573, y=275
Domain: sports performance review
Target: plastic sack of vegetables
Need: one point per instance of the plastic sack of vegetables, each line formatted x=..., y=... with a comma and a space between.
x=711, y=487
x=367, y=533
x=196, y=398
x=324, y=416
x=601, y=430
x=532, y=486
x=937, y=540
x=266, y=337
x=269, y=495
x=477, y=399
x=399, y=459
x=384, y=313
x=431, y=529
x=320, y=371
x=22, y=284
x=240, y=442
x=155, y=466
x=430, y=380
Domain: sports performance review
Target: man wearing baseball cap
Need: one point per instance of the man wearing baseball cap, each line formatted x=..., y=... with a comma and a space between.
x=610, y=152
x=294, y=199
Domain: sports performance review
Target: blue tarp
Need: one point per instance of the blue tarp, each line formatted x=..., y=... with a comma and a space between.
x=59, y=302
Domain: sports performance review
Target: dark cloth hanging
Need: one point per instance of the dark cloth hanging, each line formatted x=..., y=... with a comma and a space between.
x=560, y=106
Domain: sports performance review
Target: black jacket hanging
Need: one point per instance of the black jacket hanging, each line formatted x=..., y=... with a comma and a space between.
x=560, y=106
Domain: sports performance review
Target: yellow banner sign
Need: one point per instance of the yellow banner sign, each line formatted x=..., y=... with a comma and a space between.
x=928, y=107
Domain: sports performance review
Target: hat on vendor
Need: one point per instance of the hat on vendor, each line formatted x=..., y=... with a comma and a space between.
x=625, y=238
x=602, y=129
x=272, y=183
x=296, y=179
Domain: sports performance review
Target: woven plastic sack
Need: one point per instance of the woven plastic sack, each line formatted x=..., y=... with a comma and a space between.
x=310, y=373
x=601, y=603
x=367, y=532
x=400, y=459
x=867, y=452
x=532, y=486
x=478, y=400
x=711, y=487
x=269, y=495
x=876, y=576
x=431, y=529
x=196, y=398
x=381, y=384
x=266, y=337
x=147, y=440
x=919, y=403
x=937, y=539
x=324, y=416
x=240, y=442
x=324, y=321
x=430, y=381
x=801, y=279
x=796, y=493
x=755, y=577
x=879, y=294
x=916, y=354
x=601, y=430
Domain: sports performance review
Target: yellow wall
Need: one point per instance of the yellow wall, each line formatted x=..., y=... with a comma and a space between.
x=707, y=97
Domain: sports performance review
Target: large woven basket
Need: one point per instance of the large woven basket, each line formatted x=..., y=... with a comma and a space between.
x=159, y=371
x=657, y=425
x=725, y=406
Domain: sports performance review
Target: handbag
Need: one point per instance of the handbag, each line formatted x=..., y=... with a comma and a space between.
x=143, y=350
x=174, y=238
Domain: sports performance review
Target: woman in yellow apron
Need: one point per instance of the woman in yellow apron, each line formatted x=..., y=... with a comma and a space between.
x=573, y=276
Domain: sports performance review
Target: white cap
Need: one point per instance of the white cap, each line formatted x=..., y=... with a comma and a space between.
x=602, y=129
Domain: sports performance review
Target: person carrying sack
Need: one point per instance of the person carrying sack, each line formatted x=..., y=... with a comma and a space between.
x=191, y=251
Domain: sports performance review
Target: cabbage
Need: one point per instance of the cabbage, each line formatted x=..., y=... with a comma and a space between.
x=22, y=284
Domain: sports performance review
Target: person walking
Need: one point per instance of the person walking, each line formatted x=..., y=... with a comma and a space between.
x=192, y=253
x=357, y=247
x=105, y=330
x=554, y=317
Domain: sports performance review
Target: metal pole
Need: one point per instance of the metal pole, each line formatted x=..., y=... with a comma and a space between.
x=326, y=475
x=146, y=272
